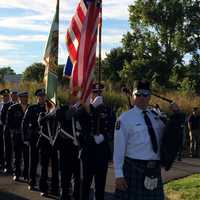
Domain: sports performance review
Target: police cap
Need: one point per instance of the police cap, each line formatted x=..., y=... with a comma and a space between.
x=23, y=94
x=40, y=92
x=142, y=86
x=14, y=92
x=4, y=92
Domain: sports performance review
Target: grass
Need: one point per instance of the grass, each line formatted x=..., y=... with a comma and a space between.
x=184, y=189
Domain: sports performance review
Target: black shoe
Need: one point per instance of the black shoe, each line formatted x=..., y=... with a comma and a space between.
x=31, y=187
x=15, y=178
x=44, y=194
x=5, y=171
x=26, y=180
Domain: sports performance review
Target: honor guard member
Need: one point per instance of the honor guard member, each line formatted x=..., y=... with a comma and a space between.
x=7, y=136
x=14, y=122
x=5, y=93
x=68, y=146
x=14, y=96
x=194, y=129
x=48, y=128
x=138, y=135
x=180, y=118
x=96, y=151
x=31, y=134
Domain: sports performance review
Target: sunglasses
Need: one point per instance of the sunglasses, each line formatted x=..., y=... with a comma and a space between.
x=142, y=94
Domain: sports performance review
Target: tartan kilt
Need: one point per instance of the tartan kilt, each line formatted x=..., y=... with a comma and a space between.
x=134, y=175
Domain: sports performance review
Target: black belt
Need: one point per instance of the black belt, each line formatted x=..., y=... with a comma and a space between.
x=146, y=163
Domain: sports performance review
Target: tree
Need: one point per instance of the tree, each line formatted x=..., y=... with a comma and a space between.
x=63, y=81
x=193, y=74
x=163, y=32
x=6, y=71
x=113, y=64
x=35, y=72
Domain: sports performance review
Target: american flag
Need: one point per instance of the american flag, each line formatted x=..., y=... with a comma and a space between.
x=81, y=41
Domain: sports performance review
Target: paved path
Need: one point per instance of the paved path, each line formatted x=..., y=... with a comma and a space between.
x=10, y=190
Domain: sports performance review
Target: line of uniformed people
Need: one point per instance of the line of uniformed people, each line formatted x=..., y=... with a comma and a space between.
x=73, y=138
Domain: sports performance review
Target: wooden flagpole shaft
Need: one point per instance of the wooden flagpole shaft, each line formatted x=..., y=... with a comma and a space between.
x=163, y=98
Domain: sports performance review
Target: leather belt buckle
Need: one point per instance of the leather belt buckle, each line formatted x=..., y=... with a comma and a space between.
x=151, y=164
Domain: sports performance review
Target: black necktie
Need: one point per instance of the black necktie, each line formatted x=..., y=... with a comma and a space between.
x=151, y=132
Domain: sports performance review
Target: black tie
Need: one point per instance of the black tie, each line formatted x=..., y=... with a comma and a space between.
x=151, y=132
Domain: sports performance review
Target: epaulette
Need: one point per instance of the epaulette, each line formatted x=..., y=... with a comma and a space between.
x=162, y=118
x=13, y=106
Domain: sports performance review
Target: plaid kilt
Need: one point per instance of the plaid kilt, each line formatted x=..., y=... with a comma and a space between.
x=134, y=175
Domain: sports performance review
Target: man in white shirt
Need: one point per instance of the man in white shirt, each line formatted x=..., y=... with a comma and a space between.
x=138, y=135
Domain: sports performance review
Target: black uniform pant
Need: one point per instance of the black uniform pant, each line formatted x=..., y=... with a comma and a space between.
x=33, y=162
x=18, y=149
x=95, y=166
x=21, y=152
x=195, y=143
x=8, y=148
x=48, y=152
x=70, y=168
x=26, y=161
x=1, y=148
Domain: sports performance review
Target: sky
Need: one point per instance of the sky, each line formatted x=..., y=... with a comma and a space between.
x=25, y=25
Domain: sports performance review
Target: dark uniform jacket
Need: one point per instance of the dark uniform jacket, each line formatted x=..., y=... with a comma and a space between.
x=15, y=117
x=100, y=120
x=30, y=122
x=64, y=118
x=172, y=139
x=5, y=111
x=48, y=127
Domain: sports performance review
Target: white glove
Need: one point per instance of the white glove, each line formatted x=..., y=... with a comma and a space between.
x=99, y=138
x=97, y=101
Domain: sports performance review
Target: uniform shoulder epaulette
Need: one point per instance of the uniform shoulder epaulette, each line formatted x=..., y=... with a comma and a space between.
x=162, y=118
x=154, y=112
x=13, y=106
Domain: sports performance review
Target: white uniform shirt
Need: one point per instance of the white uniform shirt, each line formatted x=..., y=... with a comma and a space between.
x=1, y=106
x=132, y=138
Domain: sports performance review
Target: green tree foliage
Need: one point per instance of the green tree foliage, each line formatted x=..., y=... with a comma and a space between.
x=63, y=81
x=5, y=71
x=193, y=74
x=35, y=72
x=162, y=33
x=113, y=64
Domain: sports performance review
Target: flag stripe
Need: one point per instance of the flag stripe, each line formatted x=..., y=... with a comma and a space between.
x=71, y=47
x=81, y=41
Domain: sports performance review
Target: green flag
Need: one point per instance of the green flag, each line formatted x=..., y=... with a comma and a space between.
x=51, y=59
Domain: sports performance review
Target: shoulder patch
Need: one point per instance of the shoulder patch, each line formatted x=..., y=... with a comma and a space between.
x=118, y=124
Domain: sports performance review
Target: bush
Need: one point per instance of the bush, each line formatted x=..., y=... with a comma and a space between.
x=114, y=97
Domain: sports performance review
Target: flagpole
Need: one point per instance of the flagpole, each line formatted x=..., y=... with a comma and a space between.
x=100, y=31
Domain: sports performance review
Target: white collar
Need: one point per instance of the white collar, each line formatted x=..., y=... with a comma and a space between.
x=139, y=110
